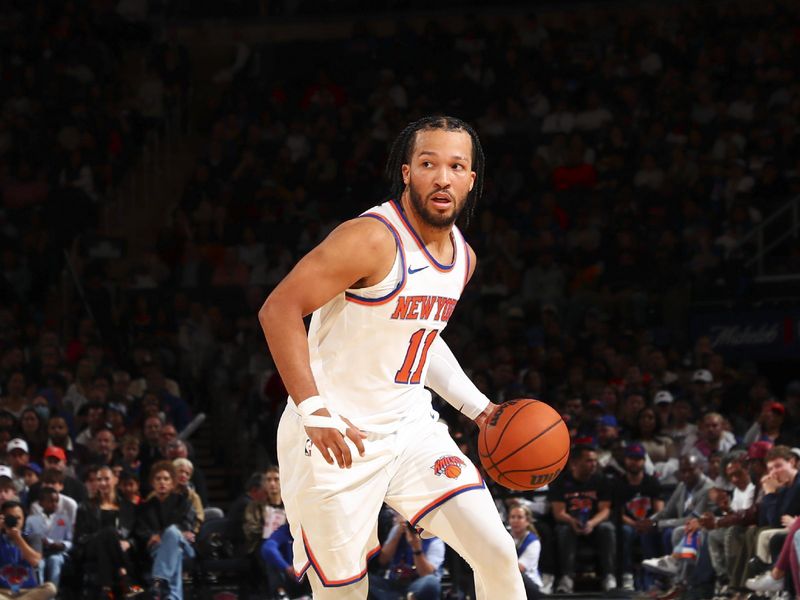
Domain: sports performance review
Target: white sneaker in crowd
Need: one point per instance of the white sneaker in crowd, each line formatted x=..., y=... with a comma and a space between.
x=627, y=582
x=664, y=565
x=764, y=583
x=609, y=583
x=565, y=585
x=547, y=583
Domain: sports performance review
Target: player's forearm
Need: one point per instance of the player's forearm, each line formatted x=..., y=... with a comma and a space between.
x=282, y=324
x=446, y=377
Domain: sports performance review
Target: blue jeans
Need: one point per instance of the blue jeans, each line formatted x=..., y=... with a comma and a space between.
x=168, y=560
x=650, y=543
x=50, y=567
x=424, y=588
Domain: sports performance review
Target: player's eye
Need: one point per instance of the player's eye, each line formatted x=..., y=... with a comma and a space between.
x=458, y=167
x=427, y=163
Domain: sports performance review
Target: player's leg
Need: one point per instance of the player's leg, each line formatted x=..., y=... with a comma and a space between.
x=436, y=487
x=332, y=512
x=469, y=523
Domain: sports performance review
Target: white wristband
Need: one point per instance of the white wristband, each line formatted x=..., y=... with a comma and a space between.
x=334, y=422
x=310, y=405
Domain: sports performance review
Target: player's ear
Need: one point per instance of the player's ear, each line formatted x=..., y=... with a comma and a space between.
x=405, y=170
x=472, y=177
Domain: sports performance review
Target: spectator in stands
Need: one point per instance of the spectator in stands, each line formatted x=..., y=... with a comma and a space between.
x=8, y=491
x=414, y=565
x=95, y=419
x=50, y=531
x=149, y=452
x=529, y=547
x=712, y=437
x=581, y=506
x=129, y=487
x=58, y=432
x=770, y=426
x=130, y=447
x=15, y=551
x=179, y=449
x=34, y=432
x=56, y=458
x=184, y=469
x=726, y=532
x=781, y=501
x=648, y=433
x=682, y=428
x=18, y=458
x=90, y=480
x=255, y=493
x=165, y=527
x=638, y=497
x=688, y=501
x=104, y=531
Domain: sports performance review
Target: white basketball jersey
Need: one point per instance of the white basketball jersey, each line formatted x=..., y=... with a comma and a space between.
x=369, y=346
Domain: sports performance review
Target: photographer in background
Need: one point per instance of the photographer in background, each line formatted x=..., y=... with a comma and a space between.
x=414, y=565
x=17, y=559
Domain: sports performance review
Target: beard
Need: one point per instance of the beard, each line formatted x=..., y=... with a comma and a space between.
x=433, y=218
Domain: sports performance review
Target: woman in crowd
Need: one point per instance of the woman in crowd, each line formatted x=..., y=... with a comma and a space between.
x=529, y=547
x=103, y=532
x=184, y=469
x=34, y=431
x=165, y=526
x=648, y=432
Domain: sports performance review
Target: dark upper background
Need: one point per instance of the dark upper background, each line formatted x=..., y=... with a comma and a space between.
x=163, y=164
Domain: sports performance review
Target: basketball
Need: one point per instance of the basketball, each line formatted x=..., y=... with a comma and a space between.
x=524, y=444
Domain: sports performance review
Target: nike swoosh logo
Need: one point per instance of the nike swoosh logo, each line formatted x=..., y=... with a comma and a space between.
x=412, y=271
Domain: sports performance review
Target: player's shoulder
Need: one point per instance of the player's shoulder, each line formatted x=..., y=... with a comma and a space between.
x=371, y=234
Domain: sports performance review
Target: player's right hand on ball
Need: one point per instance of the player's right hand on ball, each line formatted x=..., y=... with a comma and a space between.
x=331, y=444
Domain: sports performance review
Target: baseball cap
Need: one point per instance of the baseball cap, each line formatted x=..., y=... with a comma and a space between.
x=635, y=451
x=777, y=407
x=33, y=467
x=17, y=444
x=5, y=471
x=609, y=421
x=758, y=450
x=663, y=397
x=702, y=376
x=55, y=452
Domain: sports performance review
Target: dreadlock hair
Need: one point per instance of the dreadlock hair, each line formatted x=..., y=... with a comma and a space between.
x=403, y=146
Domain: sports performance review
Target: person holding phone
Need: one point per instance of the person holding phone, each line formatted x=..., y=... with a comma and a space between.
x=18, y=559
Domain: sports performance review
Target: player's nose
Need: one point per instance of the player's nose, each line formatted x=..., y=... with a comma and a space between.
x=442, y=177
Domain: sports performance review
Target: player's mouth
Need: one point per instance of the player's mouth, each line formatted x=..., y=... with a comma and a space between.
x=441, y=200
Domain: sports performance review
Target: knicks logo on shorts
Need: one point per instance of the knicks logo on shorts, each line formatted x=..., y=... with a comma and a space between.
x=449, y=466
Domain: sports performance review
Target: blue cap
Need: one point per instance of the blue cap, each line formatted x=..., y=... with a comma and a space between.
x=609, y=421
x=34, y=467
x=635, y=450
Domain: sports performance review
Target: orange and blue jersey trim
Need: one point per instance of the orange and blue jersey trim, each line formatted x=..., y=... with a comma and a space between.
x=467, y=262
x=351, y=297
x=314, y=563
x=436, y=264
x=445, y=497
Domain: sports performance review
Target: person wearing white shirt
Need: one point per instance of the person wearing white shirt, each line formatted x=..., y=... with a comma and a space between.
x=724, y=540
x=65, y=505
x=50, y=531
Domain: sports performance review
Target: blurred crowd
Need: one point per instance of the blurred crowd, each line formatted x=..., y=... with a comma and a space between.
x=629, y=153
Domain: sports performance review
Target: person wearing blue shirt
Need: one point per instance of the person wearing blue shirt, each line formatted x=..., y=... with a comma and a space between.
x=414, y=565
x=529, y=548
x=18, y=559
x=276, y=551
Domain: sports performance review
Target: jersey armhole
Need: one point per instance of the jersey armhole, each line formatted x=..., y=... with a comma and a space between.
x=358, y=299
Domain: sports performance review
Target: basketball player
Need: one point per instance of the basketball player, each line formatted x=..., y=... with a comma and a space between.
x=359, y=429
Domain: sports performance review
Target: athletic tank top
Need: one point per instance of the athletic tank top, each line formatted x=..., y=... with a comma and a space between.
x=369, y=346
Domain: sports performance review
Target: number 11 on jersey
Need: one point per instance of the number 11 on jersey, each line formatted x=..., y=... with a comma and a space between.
x=404, y=375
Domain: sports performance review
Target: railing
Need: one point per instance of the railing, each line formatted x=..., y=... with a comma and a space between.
x=787, y=215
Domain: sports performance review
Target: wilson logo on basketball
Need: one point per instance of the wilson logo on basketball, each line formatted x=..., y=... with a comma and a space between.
x=449, y=466
x=539, y=480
